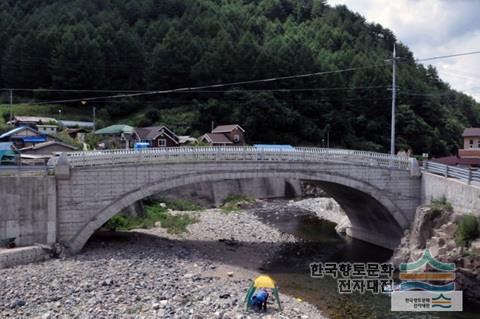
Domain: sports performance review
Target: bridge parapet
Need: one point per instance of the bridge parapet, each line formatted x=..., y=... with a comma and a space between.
x=232, y=153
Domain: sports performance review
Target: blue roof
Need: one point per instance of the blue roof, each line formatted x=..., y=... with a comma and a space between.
x=34, y=139
x=274, y=146
x=15, y=130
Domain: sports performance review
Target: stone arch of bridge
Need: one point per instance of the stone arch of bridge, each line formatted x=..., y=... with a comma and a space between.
x=371, y=210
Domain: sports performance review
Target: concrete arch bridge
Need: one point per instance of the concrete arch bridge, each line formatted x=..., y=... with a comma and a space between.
x=379, y=192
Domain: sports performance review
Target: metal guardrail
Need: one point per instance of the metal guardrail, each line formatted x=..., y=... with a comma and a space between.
x=232, y=153
x=467, y=175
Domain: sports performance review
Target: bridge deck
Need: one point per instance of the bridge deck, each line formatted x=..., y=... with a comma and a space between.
x=232, y=153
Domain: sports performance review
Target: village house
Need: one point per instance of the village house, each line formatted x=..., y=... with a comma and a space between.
x=47, y=129
x=224, y=135
x=76, y=129
x=32, y=121
x=469, y=156
x=25, y=136
x=8, y=154
x=471, y=143
x=116, y=136
x=47, y=148
x=156, y=136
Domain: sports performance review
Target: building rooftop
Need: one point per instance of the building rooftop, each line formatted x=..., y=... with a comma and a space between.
x=46, y=144
x=455, y=160
x=74, y=124
x=152, y=132
x=6, y=146
x=34, y=119
x=116, y=129
x=471, y=132
x=227, y=128
x=217, y=138
x=16, y=130
x=186, y=139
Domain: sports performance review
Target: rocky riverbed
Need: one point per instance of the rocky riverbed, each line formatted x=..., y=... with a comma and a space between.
x=324, y=207
x=153, y=274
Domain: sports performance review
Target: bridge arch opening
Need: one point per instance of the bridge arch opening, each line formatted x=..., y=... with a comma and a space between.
x=374, y=216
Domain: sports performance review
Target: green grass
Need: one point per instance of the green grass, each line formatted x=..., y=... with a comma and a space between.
x=467, y=229
x=175, y=224
x=229, y=209
x=233, y=203
x=183, y=205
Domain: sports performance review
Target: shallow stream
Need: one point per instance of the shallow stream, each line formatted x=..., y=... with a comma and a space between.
x=320, y=243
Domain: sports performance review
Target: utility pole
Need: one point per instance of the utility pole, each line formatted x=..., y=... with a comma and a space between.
x=328, y=138
x=94, y=118
x=11, y=104
x=392, y=133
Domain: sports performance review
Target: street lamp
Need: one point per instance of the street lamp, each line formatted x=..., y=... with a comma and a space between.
x=59, y=115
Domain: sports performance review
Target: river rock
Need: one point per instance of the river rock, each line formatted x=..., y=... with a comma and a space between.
x=475, y=247
x=153, y=274
x=343, y=225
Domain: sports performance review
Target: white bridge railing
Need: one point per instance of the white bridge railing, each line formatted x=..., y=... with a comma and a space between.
x=230, y=153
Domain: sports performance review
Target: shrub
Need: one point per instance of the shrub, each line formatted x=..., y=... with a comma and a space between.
x=233, y=202
x=65, y=138
x=118, y=222
x=235, y=199
x=183, y=205
x=467, y=229
x=92, y=140
x=175, y=224
x=440, y=205
x=200, y=143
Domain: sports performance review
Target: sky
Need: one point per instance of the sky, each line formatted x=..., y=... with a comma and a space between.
x=432, y=28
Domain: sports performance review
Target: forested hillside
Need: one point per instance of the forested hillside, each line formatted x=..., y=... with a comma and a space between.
x=165, y=44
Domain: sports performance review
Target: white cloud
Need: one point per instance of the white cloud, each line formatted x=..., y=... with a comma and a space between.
x=432, y=28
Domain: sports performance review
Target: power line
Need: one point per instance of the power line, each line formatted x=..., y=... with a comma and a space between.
x=71, y=90
x=447, y=56
x=202, y=91
x=210, y=86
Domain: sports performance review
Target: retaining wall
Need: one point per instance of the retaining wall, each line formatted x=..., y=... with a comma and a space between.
x=28, y=209
x=463, y=197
